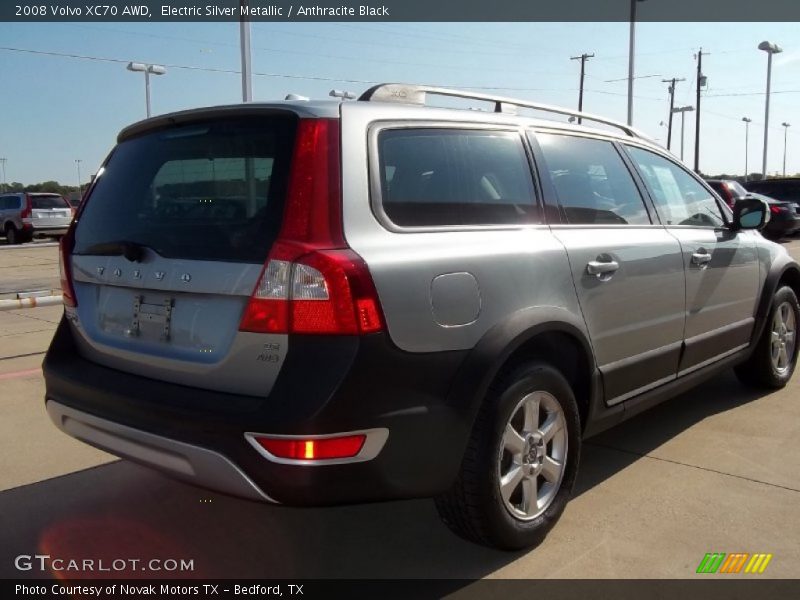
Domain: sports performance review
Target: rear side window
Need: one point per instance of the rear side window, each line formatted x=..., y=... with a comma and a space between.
x=45, y=202
x=205, y=191
x=591, y=182
x=447, y=177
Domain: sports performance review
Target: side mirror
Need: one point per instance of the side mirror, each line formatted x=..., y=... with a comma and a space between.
x=750, y=213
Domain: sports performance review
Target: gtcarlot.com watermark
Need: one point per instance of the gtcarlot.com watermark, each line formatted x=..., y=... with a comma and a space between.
x=47, y=564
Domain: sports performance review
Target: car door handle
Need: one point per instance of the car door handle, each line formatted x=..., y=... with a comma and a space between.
x=599, y=268
x=701, y=257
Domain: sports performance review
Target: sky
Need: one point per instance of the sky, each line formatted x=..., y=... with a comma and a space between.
x=55, y=110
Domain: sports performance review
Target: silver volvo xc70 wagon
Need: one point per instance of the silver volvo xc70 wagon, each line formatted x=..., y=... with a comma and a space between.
x=316, y=303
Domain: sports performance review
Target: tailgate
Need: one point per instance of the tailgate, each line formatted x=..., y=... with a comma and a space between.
x=49, y=211
x=201, y=203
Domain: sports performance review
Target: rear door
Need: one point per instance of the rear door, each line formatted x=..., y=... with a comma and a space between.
x=721, y=265
x=49, y=211
x=626, y=268
x=195, y=208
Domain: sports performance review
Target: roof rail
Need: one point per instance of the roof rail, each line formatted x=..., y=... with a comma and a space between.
x=416, y=94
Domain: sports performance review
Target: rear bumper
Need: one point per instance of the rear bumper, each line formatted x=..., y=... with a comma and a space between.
x=327, y=385
x=49, y=230
x=783, y=225
x=183, y=461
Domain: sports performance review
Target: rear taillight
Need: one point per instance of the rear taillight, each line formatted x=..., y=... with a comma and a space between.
x=322, y=292
x=27, y=209
x=66, y=245
x=312, y=282
x=777, y=209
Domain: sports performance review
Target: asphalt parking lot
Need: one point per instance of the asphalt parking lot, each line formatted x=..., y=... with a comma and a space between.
x=714, y=470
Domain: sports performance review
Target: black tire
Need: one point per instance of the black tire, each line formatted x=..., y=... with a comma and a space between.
x=13, y=236
x=759, y=370
x=474, y=508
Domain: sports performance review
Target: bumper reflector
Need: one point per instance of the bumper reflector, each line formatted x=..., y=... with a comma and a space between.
x=313, y=449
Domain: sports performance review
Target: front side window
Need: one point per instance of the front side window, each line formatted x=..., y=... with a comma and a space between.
x=446, y=177
x=679, y=198
x=591, y=182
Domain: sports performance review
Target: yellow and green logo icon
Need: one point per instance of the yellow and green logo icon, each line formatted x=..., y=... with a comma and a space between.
x=737, y=562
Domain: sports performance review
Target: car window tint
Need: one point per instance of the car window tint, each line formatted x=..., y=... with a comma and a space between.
x=679, y=198
x=440, y=177
x=591, y=182
x=47, y=202
x=212, y=190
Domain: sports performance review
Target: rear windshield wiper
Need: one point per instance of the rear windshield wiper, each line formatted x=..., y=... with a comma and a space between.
x=133, y=251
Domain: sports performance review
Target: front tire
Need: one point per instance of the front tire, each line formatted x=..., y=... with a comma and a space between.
x=521, y=461
x=775, y=356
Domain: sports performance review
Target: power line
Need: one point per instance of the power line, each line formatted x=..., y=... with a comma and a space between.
x=260, y=74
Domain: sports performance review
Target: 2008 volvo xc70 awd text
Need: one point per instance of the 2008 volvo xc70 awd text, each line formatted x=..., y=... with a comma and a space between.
x=320, y=302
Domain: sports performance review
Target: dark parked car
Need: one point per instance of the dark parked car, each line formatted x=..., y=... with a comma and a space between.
x=729, y=190
x=786, y=189
x=784, y=216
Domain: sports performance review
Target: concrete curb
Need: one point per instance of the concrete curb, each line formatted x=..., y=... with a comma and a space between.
x=31, y=302
x=28, y=246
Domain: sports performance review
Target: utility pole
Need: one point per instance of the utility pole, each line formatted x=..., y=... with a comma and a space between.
x=671, y=89
x=3, y=164
x=244, y=39
x=583, y=58
x=700, y=82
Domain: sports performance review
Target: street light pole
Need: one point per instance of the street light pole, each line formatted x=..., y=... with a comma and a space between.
x=148, y=70
x=770, y=49
x=785, y=131
x=746, y=144
x=631, y=52
x=80, y=186
x=683, y=110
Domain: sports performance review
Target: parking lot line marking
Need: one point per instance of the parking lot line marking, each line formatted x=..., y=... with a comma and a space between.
x=683, y=464
x=22, y=355
x=17, y=374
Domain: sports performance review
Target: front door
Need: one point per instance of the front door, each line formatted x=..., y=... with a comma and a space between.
x=721, y=265
x=627, y=269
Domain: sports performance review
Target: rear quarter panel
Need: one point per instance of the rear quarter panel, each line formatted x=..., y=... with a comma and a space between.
x=513, y=268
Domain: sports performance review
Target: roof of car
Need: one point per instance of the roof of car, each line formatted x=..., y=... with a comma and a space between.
x=776, y=180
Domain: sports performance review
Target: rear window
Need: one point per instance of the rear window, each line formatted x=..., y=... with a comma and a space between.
x=446, y=177
x=45, y=202
x=204, y=191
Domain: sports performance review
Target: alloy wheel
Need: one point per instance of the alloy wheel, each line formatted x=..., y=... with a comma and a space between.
x=532, y=455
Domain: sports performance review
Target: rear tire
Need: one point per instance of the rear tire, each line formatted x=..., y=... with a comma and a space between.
x=511, y=490
x=774, y=358
x=12, y=236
